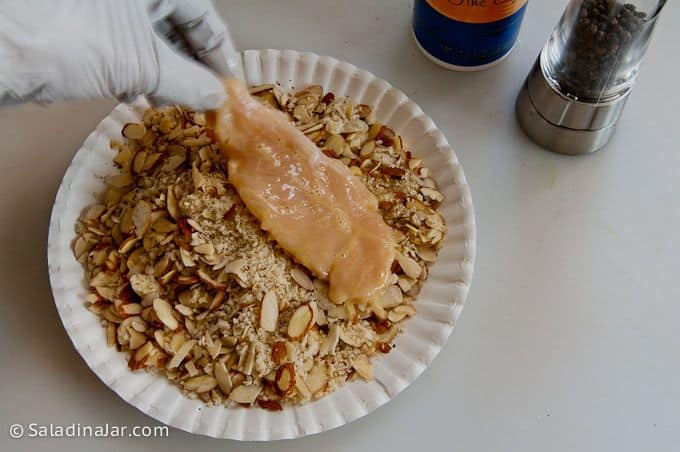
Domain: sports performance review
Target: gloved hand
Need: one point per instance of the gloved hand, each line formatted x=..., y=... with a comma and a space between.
x=75, y=49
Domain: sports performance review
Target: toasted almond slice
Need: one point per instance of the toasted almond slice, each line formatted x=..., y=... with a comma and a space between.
x=404, y=284
x=121, y=180
x=223, y=378
x=137, y=339
x=131, y=308
x=182, y=353
x=346, y=338
x=200, y=384
x=363, y=367
x=395, y=317
x=210, y=281
x=151, y=160
x=301, y=278
x=104, y=279
x=79, y=247
x=245, y=394
x=187, y=258
x=190, y=366
x=171, y=203
x=205, y=248
x=166, y=278
x=141, y=217
x=302, y=389
x=107, y=293
x=134, y=131
x=249, y=361
x=409, y=265
x=269, y=311
x=427, y=254
x=285, y=379
x=405, y=309
x=432, y=194
x=164, y=311
x=124, y=157
x=110, y=334
x=330, y=341
x=176, y=341
x=138, y=162
x=186, y=311
x=279, y=352
x=217, y=300
x=144, y=284
x=391, y=296
x=300, y=322
x=213, y=347
x=236, y=267
x=317, y=379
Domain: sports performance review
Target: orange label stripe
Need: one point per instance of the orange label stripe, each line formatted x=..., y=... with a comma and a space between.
x=477, y=11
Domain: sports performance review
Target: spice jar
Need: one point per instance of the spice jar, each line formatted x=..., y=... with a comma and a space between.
x=575, y=93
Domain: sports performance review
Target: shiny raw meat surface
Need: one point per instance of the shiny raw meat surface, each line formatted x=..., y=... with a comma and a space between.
x=312, y=205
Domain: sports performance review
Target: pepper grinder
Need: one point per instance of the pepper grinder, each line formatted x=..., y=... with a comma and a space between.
x=575, y=93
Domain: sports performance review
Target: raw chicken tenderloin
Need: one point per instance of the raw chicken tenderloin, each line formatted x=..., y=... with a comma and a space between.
x=312, y=205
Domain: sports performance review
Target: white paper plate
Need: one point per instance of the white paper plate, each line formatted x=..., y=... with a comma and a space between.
x=439, y=303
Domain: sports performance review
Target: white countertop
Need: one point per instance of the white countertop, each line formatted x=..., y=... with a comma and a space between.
x=569, y=339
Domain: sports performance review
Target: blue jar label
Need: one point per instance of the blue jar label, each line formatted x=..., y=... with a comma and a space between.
x=468, y=33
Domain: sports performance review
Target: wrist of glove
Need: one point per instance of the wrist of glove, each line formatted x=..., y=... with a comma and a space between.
x=71, y=49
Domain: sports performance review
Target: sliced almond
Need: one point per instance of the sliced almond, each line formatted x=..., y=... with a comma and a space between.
x=245, y=394
x=151, y=160
x=141, y=217
x=171, y=203
x=427, y=254
x=104, y=279
x=137, y=339
x=144, y=284
x=409, y=265
x=405, y=309
x=285, y=379
x=347, y=338
x=301, y=278
x=187, y=258
x=247, y=360
x=124, y=157
x=134, y=131
x=317, y=378
x=121, y=180
x=182, y=353
x=390, y=296
x=300, y=322
x=164, y=312
x=138, y=162
x=131, y=308
x=200, y=384
x=223, y=378
x=206, y=278
x=330, y=341
x=432, y=194
x=279, y=352
x=107, y=293
x=363, y=367
x=395, y=317
x=302, y=389
x=269, y=311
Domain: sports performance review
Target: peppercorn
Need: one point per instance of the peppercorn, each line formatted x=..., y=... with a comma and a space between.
x=604, y=31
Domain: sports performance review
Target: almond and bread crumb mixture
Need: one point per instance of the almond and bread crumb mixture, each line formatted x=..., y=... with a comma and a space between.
x=188, y=285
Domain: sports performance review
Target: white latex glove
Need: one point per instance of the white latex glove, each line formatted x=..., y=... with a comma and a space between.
x=75, y=49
